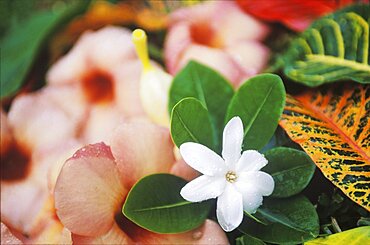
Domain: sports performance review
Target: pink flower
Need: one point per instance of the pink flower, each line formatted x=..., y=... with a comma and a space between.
x=105, y=70
x=90, y=91
x=34, y=128
x=220, y=35
x=94, y=183
x=7, y=237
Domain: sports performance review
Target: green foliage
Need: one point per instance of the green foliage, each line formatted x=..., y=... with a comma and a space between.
x=292, y=220
x=337, y=206
x=23, y=43
x=206, y=85
x=291, y=169
x=155, y=204
x=333, y=48
x=259, y=102
x=248, y=240
x=190, y=122
x=359, y=235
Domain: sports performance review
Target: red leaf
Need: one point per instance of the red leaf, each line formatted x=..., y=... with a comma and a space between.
x=296, y=14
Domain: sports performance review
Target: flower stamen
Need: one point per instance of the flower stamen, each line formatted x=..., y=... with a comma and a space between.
x=231, y=176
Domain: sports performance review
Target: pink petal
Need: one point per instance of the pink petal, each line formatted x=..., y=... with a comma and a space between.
x=69, y=98
x=196, y=13
x=251, y=57
x=203, y=31
x=101, y=122
x=214, y=58
x=52, y=159
x=233, y=25
x=140, y=149
x=183, y=170
x=69, y=68
x=7, y=237
x=65, y=237
x=89, y=191
x=127, y=87
x=102, y=50
x=53, y=233
x=109, y=47
x=37, y=122
x=25, y=205
x=114, y=236
x=177, y=40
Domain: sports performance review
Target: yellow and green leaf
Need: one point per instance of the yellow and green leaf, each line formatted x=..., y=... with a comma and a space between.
x=333, y=126
x=360, y=235
x=335, y=47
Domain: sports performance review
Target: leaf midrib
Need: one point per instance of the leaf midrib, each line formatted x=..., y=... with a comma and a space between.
x=290, y=169
x=248, y=127
x=186, y=128
x=272, y=217
x=339, y=62
x=338, y=130
x=167, y=206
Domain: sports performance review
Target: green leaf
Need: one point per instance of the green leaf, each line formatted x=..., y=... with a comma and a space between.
x=252, y=216
x=335, y=47
x=248, y=240
x=280, y=138
x=155, y=204
x=359, y=235
x=259, y=102
x=206, y=85
x=22, y=45
x=294, y=220
x=291, y=169
x=190, y=122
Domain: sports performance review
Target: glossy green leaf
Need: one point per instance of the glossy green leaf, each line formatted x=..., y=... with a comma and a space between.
x=248, y=240
x=190, y=122
x=259, y=102
x=22, y=45
x=360, y=235
x=335, y=47
x=208, y=86
x=280, y=139
x=291, y=169
x=293, y=220
x=155, y=204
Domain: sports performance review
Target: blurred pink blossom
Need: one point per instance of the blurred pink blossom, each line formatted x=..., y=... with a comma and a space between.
x=217, y=34
x=7, y=237
x=89, y=92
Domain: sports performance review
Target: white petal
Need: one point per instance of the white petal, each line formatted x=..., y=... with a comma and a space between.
x=256, y=181
x=232, y=140
x=202, y=159
x=230, y=208
x=251, y=160
x=251, y=202
x=203, y=188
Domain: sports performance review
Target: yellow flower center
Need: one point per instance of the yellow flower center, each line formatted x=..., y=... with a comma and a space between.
x=231, y=176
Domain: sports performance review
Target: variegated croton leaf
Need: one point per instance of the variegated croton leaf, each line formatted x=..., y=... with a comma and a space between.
x=332, y=125
x=333, y=48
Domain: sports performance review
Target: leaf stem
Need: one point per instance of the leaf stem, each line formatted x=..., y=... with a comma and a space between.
x=335, y=225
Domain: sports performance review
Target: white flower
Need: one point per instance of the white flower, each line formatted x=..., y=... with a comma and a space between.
x=235, y=178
